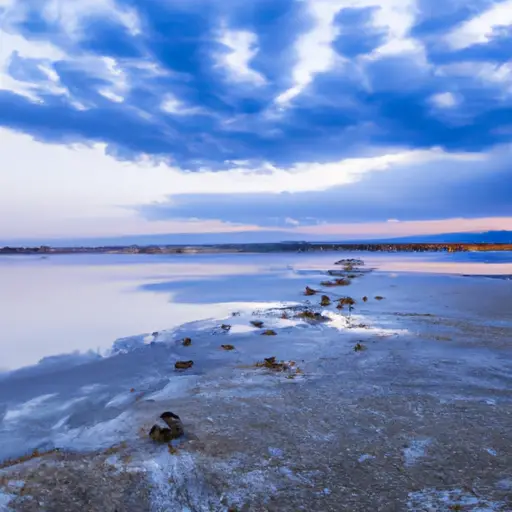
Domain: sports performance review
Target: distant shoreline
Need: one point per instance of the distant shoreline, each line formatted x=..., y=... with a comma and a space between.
x=261, y=248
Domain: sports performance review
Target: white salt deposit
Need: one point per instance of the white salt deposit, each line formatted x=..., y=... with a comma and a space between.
x=26, y=409
x=416, y=450
x=445, y=500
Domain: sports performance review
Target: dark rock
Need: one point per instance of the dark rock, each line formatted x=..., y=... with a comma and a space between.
x=345, y=301
x=326, y=301
x=271, y=364
x=350, y=262
x=187, y=342
x=309, y=291
x=228, y=347
x=174, y=423
x=183, y=365
x=378, y=297
x=161, y=434
x=154, y=333
x=269, y=332
x=365, y=299
x=257, y=323
x=225, y=327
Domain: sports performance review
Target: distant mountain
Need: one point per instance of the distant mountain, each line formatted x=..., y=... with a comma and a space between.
x=248, y=237
x=242, y=237
x=487, y=237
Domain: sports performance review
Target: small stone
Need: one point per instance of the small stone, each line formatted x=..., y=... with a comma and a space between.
x=326, y=301
x=378, y=297
x=183, y=365
x=348, y=301
x=365, y=299
x=225, y=327
x=187, y=342
x=309, y=291
x=257, y=323
x=161, y=434
x=228, y=347
x=174, y=423
x=359, y=347
x=269, y=332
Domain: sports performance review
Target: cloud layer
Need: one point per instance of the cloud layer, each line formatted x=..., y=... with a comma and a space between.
x=138, y=117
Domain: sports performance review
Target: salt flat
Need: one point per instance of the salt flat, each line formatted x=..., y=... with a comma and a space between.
x=419, y=420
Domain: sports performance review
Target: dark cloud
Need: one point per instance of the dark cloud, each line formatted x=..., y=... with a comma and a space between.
x=362, y=106
x=427, y=192
x=381, y=103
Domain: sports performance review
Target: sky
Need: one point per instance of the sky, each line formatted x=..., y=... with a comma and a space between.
x=254, y=119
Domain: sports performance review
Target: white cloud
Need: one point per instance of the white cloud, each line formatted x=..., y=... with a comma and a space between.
x=172, y=105
x=395, y=18
x=110, y=70
x=481, y=28
x=489, y=73
x=444, y=100
x=111, y=95
x=314, y=50
x=243, y=47
x=57, y=190
x=71, y=15
x=47, y=53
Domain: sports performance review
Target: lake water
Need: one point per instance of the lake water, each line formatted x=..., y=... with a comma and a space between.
x=434, y=344
x=69, y=303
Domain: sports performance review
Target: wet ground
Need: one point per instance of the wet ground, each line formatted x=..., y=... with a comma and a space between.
x=420, y=419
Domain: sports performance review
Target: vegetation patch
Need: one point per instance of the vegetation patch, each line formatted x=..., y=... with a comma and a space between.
x=336, y=282
x=270, y=363
x=312, y=316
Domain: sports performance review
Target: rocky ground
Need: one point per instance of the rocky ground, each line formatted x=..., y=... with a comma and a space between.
x=418, y=419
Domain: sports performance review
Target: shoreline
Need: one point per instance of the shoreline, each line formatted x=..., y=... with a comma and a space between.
x=257, y=248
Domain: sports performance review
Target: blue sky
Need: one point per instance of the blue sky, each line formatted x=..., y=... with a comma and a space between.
x=311, y=118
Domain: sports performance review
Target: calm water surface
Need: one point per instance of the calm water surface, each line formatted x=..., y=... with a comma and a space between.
x=69, y=303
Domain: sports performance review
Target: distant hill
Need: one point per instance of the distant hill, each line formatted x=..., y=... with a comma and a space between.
x=258, y=237
x=487, y=237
